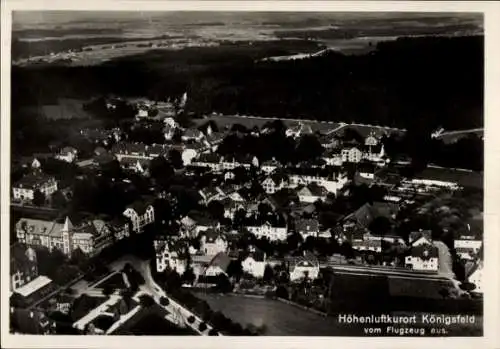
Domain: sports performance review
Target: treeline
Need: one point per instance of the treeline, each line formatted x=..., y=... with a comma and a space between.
x=437, y=81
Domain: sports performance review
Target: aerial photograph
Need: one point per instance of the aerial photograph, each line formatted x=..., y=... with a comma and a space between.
x=246, y=173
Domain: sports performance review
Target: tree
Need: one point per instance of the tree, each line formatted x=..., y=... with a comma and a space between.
x=223, y=284
x=161, y=170
x=309, y=148
x=294, y=241
x=59, y=201
x=380, y=226
x=164, y=301
x=202, y=327
x=235, y=269
x=216, y=209
x=175, y=158
x=346, y=250
x=38, y=198
x=268, y=274
x=78, y=257
x=146, y=301
x=188, y=276
x=281, y=292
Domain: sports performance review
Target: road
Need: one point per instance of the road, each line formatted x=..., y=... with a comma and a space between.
x=179, y=312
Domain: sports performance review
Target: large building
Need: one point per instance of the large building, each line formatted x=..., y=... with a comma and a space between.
x=90, y=237
x=25, y=188
x=140, y=214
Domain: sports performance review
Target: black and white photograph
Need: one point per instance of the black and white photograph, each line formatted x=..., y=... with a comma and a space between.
x=245, y=173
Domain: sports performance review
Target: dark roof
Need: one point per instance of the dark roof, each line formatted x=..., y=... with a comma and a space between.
x=33, y=181
x=425, y=251
x=415, y=235
x=461, y=177
x=209, y=157
x=139, y=206
x=307, y=225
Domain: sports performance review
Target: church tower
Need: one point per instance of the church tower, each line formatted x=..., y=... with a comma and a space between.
x=67, y=232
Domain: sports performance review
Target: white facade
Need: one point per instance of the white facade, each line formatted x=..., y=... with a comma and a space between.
x=253, y=267
x=140, y=221
x=351, y=155
x=266, y=230
x=68, y=155
x=469, y=244
x=271, y=187
x=188, y=155
x=304, y=268
x=417, y=263
x=211, y=247
x=47, y=187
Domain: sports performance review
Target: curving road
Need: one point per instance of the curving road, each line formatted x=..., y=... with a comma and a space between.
x=179, y=313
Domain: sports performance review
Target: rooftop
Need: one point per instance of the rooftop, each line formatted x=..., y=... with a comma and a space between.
x=33, y=286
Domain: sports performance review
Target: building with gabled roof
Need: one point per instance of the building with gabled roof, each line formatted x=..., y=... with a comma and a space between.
x=89, y=236
x=141, y=213
x=212, y=242
x=25, y=188
x=424, y=257
x=307, y=227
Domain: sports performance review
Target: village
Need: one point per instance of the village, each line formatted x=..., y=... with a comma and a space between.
x=269, y=208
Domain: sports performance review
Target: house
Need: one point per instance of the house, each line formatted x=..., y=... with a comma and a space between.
x=212, y=242
x=298, y=130
x=209, y=194
x=254, y=264
x=351, y=154
x=89, y=236
x=140, y=166
x=232, y=162
x=270, y=166
x=307, y=227
x=275, y=182
x=23, y=265
x=424, y=257
x=119, y=227
x=192, y=134
x=140, y=214
x=421, y=237
x=188, y=154
x=206, y=267
x=194, y=223
x=467, y=245
x=304, y=267
x=25, y=188
x=374, y=153
x=368, y=245
x=333, y=157
x=311, y=193
x=366, y=170
x=332, y=178
x=271, y=231
x=231, y=207
x=68, y=154
x=210, y=160
x=167, y=257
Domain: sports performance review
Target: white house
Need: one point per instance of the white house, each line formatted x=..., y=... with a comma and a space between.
x=351, y=154
x=140, y=214
x=188, y=154
x=273, y=233
x=312, y=193
x=25, y=188
x=467, y=245
x=255, y=264
x=421, y=237
x=424, y=257
x=167, y=258
x=304, y=267
x=274, y=183
x=212, y=242
x=68, y=154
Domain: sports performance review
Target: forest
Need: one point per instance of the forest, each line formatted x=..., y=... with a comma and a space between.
x=426, y=81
